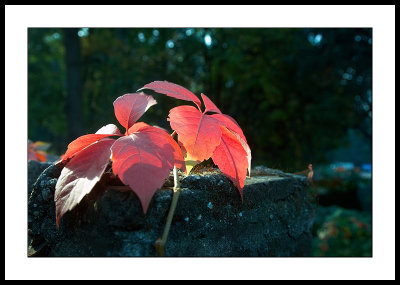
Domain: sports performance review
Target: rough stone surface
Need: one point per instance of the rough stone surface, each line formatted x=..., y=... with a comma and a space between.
x=275, y=219
x=35, y=168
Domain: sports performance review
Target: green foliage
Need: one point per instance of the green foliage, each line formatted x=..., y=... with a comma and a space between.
x=296, y=92
x=46, y=85
x=342, y=233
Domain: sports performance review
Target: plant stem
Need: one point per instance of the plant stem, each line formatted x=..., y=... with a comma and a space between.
x=160, y=243
x=171, y=212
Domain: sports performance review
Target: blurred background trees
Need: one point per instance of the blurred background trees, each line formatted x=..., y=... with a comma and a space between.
x=300, y=95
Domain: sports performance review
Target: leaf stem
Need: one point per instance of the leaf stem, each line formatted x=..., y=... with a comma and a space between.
x=160, y=243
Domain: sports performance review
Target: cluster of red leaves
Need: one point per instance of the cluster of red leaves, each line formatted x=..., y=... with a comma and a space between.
x=203, y=135
x=144, y=155
x=142, y=158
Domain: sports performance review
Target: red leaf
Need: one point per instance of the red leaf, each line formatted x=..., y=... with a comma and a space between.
x=232, y=125
x=143, y=160
x=199, y=133
x=201, y=136
x=130, y=107
x=247, y=149
x=80, y=175
x=137, y=127
x=231, y=158
x=81, y=143
x=173, y=90
x=210, y=106
x=159, y=138
x=84, y=141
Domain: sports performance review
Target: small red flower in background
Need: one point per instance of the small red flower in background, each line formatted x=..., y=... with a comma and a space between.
x=37, y=151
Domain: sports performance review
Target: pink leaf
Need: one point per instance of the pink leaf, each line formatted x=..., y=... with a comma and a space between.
x=130, y=107
x=173, y=90
x=80, y=175
x=199, y=133
x=231, y=158
x=143, y=160
x=210, y=106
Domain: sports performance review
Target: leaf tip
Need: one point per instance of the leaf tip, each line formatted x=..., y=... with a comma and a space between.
x=58, y=221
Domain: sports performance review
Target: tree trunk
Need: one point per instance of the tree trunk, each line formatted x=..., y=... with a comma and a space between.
x=74, y=108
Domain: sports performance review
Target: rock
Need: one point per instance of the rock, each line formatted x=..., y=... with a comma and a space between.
x=35, y=168
x=275, y=219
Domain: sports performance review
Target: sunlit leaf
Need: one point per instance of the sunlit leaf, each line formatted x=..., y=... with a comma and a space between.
x=233, y=126
x=231, y=158
x=199, y=133
x=209, y=105
x=173, y=90
x=130, y=107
